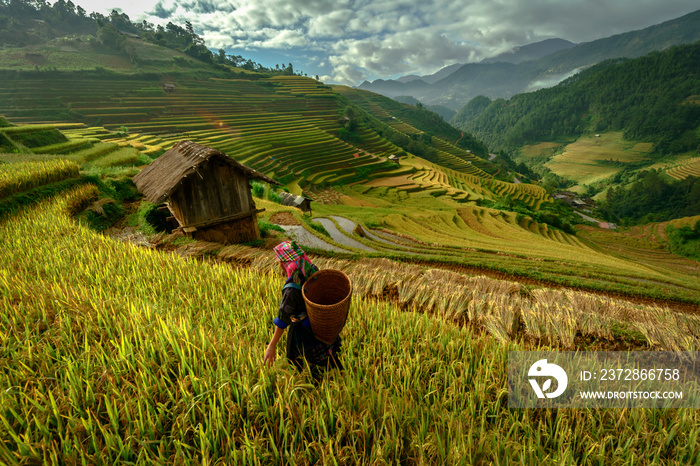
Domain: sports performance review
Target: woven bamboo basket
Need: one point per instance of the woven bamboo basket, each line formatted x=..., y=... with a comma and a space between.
x=327, y=295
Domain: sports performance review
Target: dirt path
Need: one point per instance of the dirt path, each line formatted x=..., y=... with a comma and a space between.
x=586, y=217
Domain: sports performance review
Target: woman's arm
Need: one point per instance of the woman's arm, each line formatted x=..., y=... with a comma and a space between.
x=271, y=351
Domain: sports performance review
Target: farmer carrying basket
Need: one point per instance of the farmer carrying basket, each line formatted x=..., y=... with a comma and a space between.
x=314, y=307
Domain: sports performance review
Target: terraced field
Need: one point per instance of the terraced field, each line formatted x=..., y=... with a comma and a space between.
x=481, y=238
x=461, y=168
x=690, y=167
x=284, y=126
x=268, y=127
x=119, y=354
x=645, y=244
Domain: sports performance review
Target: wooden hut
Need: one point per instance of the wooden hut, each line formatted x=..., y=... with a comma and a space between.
x=168, y=87
x=206, y=191
x=301, y=202
x=394, y=158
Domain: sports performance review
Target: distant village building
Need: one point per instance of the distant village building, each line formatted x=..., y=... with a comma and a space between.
x=168, y=87
x=300, y=202
x=574, y=200
x=394, y=158
x=608, y=226
x=206, y=191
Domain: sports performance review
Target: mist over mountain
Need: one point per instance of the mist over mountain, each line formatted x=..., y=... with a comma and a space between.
x=531, y=51
x=505, y=79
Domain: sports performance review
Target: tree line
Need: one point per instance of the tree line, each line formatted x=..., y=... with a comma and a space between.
x=652, y=197
x=27, y=22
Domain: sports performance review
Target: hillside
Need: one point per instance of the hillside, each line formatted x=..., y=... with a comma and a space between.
x=504, y=80
x=649, y=99
x=119, y=353
x=291, y=129
x=125, y=342
x=123, y=354
x=39, y=36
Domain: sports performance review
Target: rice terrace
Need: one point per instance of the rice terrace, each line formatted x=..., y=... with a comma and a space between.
x=125, y=339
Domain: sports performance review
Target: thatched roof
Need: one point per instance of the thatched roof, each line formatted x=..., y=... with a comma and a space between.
x=165, y=174
x=292, y=199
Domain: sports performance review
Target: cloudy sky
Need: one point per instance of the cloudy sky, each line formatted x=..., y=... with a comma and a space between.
x=348, y=41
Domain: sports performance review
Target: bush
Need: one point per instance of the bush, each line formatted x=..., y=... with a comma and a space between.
x=685, y=241
x=266, y=227
x=274, y=197
x=42, y=138
x=157, y=219
x=123, y=189
x=102, y=214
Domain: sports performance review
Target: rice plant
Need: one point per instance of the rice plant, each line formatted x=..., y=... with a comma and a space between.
x=18, y=177
x=116, y=354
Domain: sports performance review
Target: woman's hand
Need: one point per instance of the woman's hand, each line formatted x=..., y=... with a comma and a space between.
x=270, y=355
x=271, y=351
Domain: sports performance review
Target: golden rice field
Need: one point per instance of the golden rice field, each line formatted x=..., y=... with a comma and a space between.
x=542, y=150
x=128, y=355
x=690, y=167
x=22, y=176
x=645, y=245
x=579, y=161
x=509, y=243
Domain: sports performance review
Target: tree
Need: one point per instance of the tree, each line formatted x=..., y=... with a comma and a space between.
x=108, y=35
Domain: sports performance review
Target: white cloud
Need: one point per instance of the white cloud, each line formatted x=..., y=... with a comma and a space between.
x=367, y=39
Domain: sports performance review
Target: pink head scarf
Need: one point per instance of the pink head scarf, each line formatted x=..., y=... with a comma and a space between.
x=294, y=259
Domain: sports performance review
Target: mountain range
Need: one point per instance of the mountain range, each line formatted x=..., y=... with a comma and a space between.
x=534, y=66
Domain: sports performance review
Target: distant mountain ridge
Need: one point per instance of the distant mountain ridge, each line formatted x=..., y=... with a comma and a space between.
x=651, y=98
x=503, y=79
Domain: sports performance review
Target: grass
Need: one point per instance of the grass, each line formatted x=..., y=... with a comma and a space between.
x=128, y=355
x=89, y=55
